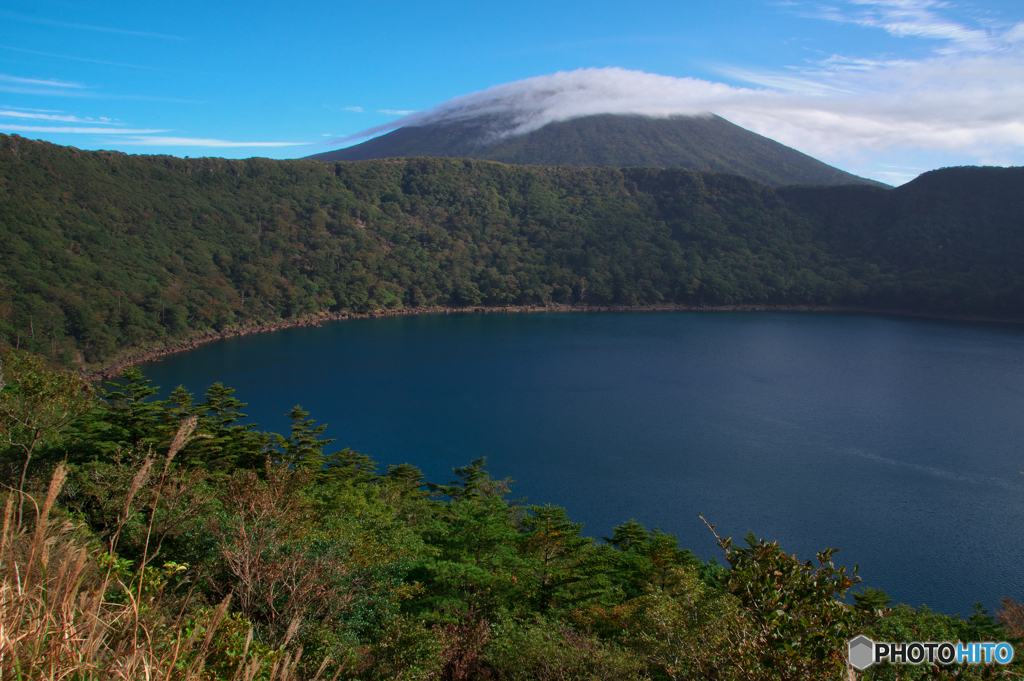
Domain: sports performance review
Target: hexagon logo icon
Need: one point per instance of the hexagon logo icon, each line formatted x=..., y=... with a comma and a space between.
x=862, y=652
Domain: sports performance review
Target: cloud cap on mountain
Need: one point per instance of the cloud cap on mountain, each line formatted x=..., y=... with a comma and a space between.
x=835, y=111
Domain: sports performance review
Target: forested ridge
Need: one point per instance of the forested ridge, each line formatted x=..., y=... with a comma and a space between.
x=170, y=540
x=105, y=253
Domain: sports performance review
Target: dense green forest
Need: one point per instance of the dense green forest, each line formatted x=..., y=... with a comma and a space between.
x=105, y=253
x=166, y=539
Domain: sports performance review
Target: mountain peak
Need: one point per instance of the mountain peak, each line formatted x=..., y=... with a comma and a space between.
x=699, y=141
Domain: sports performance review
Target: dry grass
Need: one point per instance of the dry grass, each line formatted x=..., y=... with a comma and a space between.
x=69, y=610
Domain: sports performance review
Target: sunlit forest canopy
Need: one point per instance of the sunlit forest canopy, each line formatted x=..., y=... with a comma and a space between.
x=104, y=252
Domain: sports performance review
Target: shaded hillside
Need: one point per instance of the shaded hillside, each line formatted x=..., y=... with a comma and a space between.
x=695, y=142
x=101, y=252
x=950, y=240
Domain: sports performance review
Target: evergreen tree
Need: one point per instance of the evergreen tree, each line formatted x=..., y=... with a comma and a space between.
x=226, y=444
x=562, y=572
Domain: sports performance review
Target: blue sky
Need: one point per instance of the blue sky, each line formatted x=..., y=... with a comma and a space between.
x=882, y=88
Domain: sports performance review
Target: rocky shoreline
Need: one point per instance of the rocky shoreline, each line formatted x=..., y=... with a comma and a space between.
x=116, y=366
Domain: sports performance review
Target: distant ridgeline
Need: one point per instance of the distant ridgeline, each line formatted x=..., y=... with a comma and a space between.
x=104, y=252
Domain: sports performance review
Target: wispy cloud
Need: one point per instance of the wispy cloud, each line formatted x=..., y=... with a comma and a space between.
x=21, y=108
x=967, y=104
x=74, y=130
x=787, y=81
x=53, y=88
x=201, y=142
x=392, y=112
x=46, y=82
x=15, y=16
x=927, y=19
x=89, y=61
x=48, y=92
x=63, y=118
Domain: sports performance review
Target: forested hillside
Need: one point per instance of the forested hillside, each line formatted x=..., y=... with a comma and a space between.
x=103, y=253
x=950, y=241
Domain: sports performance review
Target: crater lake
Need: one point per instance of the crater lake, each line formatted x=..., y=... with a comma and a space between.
x=899, y=441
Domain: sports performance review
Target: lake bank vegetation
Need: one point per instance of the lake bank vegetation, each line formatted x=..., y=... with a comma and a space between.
x=107, y=255
x=169, y=539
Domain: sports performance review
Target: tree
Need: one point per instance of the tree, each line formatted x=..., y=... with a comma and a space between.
x=35, y=405
x=473, y=482
x=645, y=558
x=132, y=419
x=304, y=448
x=871, y=600
x=800, y=626
x=554, y=542
x=682, y=632
x=230, y=444
x=474, y=569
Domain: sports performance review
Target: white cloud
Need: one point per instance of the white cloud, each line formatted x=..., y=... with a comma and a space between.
x=21, y=108
x=1014, y=35
x=359, y=109
x=794, y=82
x=918, y=18
x=926, y=19
x=38, y=81
x=74, y=130
x=48, y=117
x=199, y=142
x=839, y=111
x=965, y=103
x=58, y=88
x=529, y=104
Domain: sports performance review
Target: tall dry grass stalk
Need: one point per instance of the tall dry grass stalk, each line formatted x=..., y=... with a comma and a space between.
x=66, y=614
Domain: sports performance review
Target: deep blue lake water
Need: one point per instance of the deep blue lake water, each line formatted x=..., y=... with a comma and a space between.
x=899, y=441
